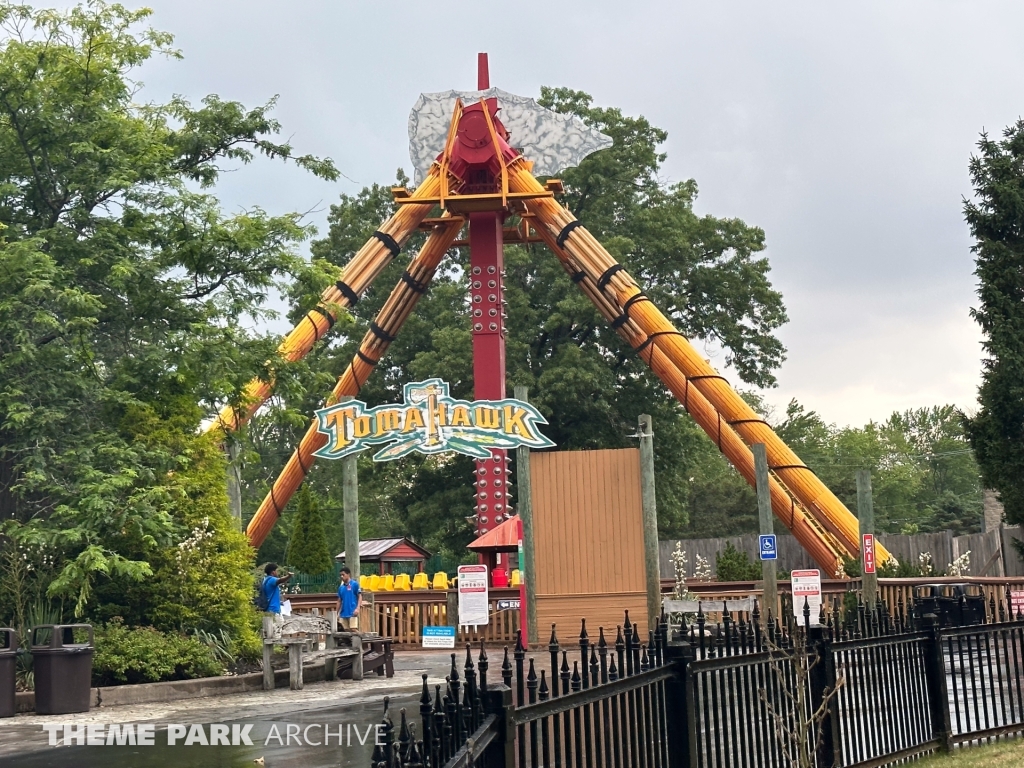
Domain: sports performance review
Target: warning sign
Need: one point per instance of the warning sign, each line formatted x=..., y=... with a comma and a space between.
x=806, y=586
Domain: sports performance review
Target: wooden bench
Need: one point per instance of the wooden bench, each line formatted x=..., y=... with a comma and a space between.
x=377, y=654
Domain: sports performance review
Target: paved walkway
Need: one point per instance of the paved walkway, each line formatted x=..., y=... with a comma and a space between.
x=23, y=741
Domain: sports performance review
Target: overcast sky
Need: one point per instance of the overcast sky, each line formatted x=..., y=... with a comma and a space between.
x=844, y=130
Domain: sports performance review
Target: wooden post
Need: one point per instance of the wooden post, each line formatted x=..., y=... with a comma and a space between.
x=357, y=662
x=524, y=502
x=234, y=480
x=350, y=491
x=295, y=666
x=652, y=567
x=866, y=517
x=452, y=609
x=766, y=523
x=268, y=653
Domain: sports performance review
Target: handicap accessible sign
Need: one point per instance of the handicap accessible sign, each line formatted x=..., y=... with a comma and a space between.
x=769, y=547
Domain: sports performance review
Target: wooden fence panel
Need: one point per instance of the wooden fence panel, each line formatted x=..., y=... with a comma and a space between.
x=942, y=546
x=1011, y=557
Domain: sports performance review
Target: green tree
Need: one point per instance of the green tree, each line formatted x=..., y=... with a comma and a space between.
x=996, y=219
x=923, y=471
x=706, y=272
x=124, y=307
x=307, y=545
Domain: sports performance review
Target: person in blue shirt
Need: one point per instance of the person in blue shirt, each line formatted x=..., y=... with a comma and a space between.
x=272, y=589
x=350, y=600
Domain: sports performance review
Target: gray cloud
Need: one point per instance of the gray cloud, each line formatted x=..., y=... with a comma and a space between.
x=843, y=130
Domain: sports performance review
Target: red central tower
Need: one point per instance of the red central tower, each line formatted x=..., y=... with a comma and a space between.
x=486, y=275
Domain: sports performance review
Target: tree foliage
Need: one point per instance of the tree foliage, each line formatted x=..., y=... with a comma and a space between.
x=124, y=305
x=307, y=545
x=996, y=219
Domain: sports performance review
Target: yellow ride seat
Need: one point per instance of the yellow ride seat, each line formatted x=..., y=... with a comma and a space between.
x=420, y=581
x=517, y=578
x=403, y=583
x=389, y=583
x=372, y=583
x=440, y=580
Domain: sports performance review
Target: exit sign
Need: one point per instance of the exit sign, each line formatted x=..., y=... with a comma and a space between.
x=868, y=548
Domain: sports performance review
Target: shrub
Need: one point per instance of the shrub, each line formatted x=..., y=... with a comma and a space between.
x=733, y=565
x=146, y=655
x=307, y=546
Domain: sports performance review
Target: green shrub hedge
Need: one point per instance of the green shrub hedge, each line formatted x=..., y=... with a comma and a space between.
x=146, y=655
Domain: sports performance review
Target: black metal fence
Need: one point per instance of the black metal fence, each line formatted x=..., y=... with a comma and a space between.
x=861, y=688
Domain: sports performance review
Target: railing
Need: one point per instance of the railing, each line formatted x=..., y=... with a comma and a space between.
x=402, y=616
x=861, y=689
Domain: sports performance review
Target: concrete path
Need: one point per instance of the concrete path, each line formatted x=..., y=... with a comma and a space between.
x=352, y=706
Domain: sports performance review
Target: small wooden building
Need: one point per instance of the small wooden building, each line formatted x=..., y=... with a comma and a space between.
x=384, y=552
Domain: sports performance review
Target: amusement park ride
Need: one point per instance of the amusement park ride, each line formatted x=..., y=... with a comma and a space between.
x=480, y=179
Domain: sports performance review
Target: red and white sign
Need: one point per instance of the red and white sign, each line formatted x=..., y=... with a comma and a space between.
x=806, y=587
x=1017, y=602
x=473, y=595
x=868, y=549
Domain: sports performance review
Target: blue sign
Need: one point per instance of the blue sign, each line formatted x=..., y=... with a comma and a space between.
x=769, y=547
x=439, y=637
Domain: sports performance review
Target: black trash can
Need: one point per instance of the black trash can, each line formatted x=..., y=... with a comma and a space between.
x=8, y=661
x=62, y=668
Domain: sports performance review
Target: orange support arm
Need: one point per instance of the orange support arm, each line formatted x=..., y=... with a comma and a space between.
x=389, y=320
x=612, y=280
x=356, y=277
x=824, y=548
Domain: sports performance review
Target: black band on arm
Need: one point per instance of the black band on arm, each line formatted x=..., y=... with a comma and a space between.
x=380, y=333
x=366, y=358
x=346, y=290
x=577, y=277
x=564, y=234
x=633, y=300
x=389, y=241
x=607, y=276
x=326, y=314
x=620, y=321
x=413, y=283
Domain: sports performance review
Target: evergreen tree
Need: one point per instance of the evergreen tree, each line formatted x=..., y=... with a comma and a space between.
x=307, y=546
x=996, y=218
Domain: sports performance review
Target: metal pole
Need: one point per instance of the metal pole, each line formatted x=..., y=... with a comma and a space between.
x=524, y=501
x=766, y=522
x=866, y=517
x=650, y=511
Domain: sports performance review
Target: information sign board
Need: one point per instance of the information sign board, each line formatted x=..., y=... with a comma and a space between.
x=439, y=637
x=473, y=595
x=806, y=586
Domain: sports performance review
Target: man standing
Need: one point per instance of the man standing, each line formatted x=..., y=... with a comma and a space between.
x=272, y=591
x=350, y=600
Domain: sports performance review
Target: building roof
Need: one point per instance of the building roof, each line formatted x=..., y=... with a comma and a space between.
x=504, y=538
x=394, y=549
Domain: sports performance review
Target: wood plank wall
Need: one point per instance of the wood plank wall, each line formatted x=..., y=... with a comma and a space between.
x=588, y=541
x=943, y=546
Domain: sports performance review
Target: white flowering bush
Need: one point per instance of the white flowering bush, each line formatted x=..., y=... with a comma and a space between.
x=961, y=566
x=702, y=570
x=926, y=564
x=679, y=562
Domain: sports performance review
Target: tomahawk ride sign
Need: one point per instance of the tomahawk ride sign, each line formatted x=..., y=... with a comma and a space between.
x=430, y=421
